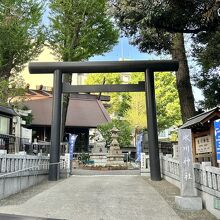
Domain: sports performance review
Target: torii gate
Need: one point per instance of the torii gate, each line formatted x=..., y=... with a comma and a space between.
x=58, y=68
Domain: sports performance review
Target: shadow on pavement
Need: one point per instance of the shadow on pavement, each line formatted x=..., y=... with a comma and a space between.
x=21, y=217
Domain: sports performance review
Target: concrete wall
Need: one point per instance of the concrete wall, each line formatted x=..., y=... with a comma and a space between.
x=15, y=183
x=20, y=171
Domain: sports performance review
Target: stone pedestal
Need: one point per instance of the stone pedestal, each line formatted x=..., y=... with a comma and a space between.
x=189, y=203
x=100, y=159
x=99, y=151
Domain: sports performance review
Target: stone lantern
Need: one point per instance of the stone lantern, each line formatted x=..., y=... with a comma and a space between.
x=115, y=156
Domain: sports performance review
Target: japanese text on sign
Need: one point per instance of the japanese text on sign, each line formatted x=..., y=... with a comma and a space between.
x=186, y=163
x=217, y=138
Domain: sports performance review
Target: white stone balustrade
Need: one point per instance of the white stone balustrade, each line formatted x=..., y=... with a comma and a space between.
x=207, y=178
x=170, y=167
x=13, y=162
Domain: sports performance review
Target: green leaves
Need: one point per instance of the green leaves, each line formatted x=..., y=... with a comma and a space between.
x=81, y=29
x=168, y=107
x=124, y=135
x=167, y=15
x=21, y=34
x=120, y=102
x=167, y=102
x=12, y=91
x=206, y=51
x=133, y=105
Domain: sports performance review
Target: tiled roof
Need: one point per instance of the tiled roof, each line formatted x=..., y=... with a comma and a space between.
x=201, y=118
x=83, y=111
x=7, y=111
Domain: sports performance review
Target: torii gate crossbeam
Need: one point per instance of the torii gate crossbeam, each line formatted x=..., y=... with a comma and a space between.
x=58, y=68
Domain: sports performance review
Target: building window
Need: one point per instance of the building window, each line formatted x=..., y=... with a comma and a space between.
x=4, y=125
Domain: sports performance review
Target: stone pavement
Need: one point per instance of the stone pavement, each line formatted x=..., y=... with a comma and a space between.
x=115, y=197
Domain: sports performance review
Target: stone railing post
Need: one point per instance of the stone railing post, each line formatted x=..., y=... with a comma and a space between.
x=145, y=165
x=3, y=154
x=143, y=161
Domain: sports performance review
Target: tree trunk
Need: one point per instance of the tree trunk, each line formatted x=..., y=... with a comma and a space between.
x=183, y=83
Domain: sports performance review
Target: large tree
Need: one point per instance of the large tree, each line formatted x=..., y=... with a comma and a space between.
x=79, y=30
x=158, y=26
x=21, y=34
x=167, y=102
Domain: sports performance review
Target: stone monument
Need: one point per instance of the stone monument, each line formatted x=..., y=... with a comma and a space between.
x=188, y=199
x=99, y=143
x=99, y=151
x=115, y=156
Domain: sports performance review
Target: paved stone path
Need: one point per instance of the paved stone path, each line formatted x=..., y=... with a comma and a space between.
x=96, y=197
x=99, y=197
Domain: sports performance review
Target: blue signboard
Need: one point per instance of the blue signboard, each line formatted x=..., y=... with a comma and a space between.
x=72, y=141
x=217, y=138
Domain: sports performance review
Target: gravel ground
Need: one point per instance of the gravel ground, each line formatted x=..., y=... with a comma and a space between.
x=168, y=192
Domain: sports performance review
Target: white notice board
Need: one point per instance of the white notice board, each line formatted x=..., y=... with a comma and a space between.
x=203, y=144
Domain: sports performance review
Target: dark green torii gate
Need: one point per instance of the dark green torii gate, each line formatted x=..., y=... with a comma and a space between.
x=58, y=68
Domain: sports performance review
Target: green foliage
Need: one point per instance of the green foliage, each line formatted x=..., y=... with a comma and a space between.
x=84, y=157
x=206, y=50
x=169, y=15
x=173, y=136
x=136, y=115
x=12, y=91
x=124, y=133
x=168, y=108
x=29, y=118
x=21, y=34
x=119, y=101
x=209, y=83
x=80, y=29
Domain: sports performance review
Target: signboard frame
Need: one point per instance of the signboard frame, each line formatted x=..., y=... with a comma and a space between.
x=203, y=144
